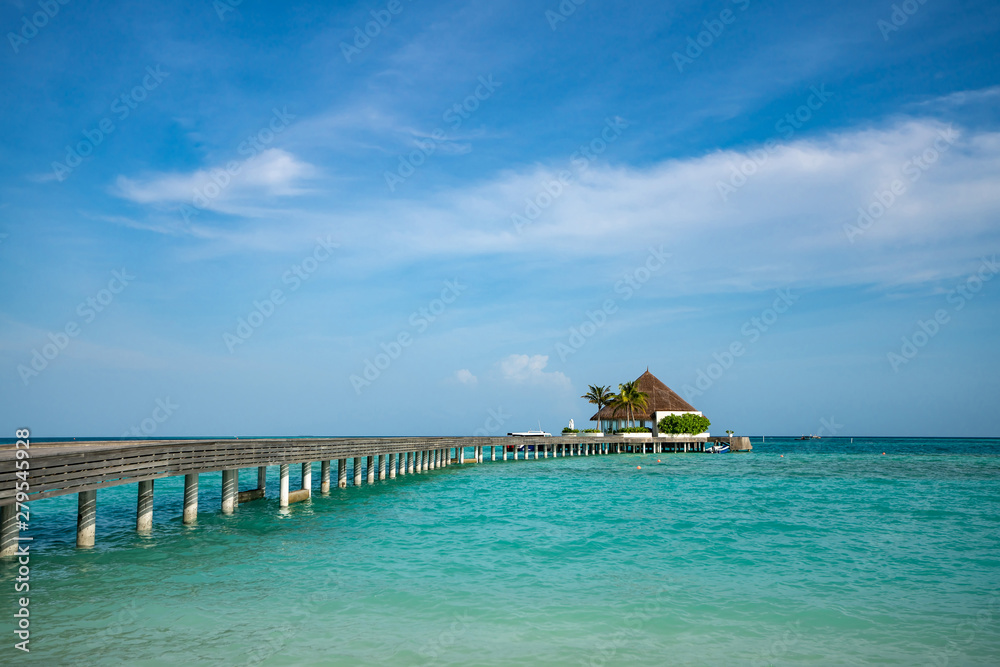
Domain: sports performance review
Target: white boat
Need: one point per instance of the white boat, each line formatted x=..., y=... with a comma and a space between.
x=718, y=448
x=530, y=434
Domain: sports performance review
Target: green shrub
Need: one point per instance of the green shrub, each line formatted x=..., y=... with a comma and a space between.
x=567, y=429
x=688, y=423
x=591, y=430
x=634, y=429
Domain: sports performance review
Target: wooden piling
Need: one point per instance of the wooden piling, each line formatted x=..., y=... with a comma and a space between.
x=229, y=482
x=307, y=477
x=86, y=518
x=342, y=473
x=283, y=486
x=324, y=477
x=144, y=508
x=190, y=499
x=9, y=530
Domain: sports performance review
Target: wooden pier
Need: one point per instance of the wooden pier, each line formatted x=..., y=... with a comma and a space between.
x=61, y=468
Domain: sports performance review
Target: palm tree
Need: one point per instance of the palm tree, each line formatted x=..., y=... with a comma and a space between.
x=600, y=396
x=630, y=398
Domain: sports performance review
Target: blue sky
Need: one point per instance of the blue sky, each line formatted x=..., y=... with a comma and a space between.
x=217, y=217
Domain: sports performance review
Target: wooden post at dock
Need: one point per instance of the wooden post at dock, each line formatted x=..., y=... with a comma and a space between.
x=307, y=477
x=9, y=530
x=86, y=518
x=229, y=482
x=370, y=468
x=144, y=508
x=342, y=473
x=190, y=498
x=283, y=486
x=393, y=465
x=357, y=471
x=381, y=467
x=324, y=477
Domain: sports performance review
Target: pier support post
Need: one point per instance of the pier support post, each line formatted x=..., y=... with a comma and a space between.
x=324, y=477
x=190, y=498
x=409, y=463
x=144, y=508
x=422, y=461
x=433, y=459
x=370, y=468
x=307, y=477
x=262, y=479
x=9, y=530
x=381, y=467
x=228, y=491
x=283, y=486
x=357, y=471
x=86, y=518
x=341, y=473
x=392, y=466
x=503, y=455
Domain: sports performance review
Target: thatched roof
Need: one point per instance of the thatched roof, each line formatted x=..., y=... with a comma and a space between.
x=661, y=398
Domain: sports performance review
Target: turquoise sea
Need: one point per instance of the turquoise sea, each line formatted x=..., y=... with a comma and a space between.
x=819, y=552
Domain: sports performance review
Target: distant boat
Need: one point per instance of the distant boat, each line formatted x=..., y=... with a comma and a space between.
x=529, y=434
x=811, y=437
x=718, y=448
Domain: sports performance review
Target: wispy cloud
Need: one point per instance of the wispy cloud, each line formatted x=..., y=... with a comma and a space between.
x=272, y=173
x=524, y=369
x=466, y=377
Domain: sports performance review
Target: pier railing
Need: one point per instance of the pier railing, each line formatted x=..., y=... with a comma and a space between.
x=60, y=468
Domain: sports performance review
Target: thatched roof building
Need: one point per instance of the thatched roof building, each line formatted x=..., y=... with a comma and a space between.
x=662, y=401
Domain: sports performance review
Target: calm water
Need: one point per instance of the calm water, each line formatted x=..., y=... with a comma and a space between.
x=830, y=554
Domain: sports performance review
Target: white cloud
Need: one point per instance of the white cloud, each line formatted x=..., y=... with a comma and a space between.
x=273, y=172
x=784, y=226
x=465, y=376
x=522, y=369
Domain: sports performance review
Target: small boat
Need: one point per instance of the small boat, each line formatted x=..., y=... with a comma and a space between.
x=718, y=448
x=811, y=437
x=529, y=434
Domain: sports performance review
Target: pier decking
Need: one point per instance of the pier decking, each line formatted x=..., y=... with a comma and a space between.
x=60, y=468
